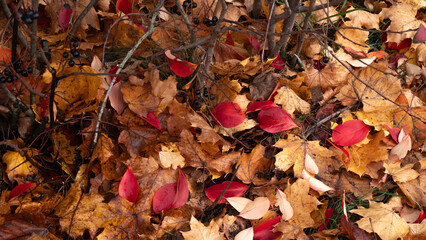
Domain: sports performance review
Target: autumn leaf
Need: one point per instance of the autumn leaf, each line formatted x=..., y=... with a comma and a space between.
x=200, y=232
x=235, y=189
x=129, y=188
x=381, y=219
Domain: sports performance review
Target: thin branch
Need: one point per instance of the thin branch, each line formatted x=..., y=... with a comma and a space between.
x=120, y=67
x=80, y=18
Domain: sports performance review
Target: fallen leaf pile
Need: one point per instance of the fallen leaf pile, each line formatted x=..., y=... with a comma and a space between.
x=325, y=140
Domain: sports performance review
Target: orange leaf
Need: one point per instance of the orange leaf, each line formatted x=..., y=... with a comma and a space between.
x=5, y=54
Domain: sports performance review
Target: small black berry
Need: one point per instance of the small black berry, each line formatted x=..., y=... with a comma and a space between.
x=76, y=54
x=7, y=73
x=24, y=73
x=71, y=63
x=214, y=19
x=206, y=21
x=65, y=55
x=205, y=93
x=18, y=70
x=9, y=79
x=36, y=15
x=30, y=70
x=30, y=13
x=209, y=23
x=325, y=59
x=2, y=79
x=194, y=5
x=19, y=62
x=198, y=92
x=185, y=4
x=75, y=44
x=198, y=105
x=212, y=96
x=196, y=21
x=21, y=15
x=27, y=19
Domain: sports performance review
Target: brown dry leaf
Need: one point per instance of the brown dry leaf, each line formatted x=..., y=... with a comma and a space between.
x=352, y=38
x=290, y=231
x=226, y=90
x=223, y=52
x=323, y=15
x=361, y=156
x=166, y=89
x=208, y=134
x=104, y=148
x=170, y=156
x=414, y=126
x=381, y=80
x=174, y=219
x=193, y=152
x=362, y=18
x=377, y=119
x=77, y=89
x=415, y=189
x=291, y=102
x=252, y=163
x=116, y=218
x=138, y=140
x=332, y=75
x=294, y=153
x=140, y=99
x=76, y=211
x=381, y=219
x=401, y=174
x=18, y=168
x=263, y=85
x=178, y=118
x=303, y=203
x=311, y=46
x=200, y=232
x=224, y=163
x=403, y=17
x=350, y=182
x=168, y=34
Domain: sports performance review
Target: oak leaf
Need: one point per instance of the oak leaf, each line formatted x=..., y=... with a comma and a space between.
x=381, y=219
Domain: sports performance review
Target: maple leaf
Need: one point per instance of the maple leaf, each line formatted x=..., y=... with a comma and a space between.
x=200, y=232
x=303, y=203
x=361, y=156
x=140, y=99
x=352, y=38
x=294, y=153
x=332, y=75
x=18, y=168
x=291, y=102
x=362, y=18
x=380, y=84
x=381, y=219
x=252, y=163
x=290, y=231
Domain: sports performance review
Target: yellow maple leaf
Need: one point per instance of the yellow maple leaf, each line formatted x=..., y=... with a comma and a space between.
x=200, y=232
x=381, y=219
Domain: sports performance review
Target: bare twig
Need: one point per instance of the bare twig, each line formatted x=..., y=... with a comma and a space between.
x=120, y=67
x=270, y=28
x=80, y=18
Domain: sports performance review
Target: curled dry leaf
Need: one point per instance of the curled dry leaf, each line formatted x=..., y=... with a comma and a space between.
x=315, y=184
x=310, y=164
x=255, y=209
x=239, y=203
x=403, y=146
x=284, y=205
x=246, y=234
x=128, y=188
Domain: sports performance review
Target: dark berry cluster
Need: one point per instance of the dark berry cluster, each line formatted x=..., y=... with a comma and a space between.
x=29, y=16
x=187, y=4
x=210, y=22
x=74, y=52
x=7, y=76
x=203, y=98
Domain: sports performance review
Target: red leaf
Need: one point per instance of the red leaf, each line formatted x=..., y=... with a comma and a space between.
x=229, y=39
x=350, y=132
x=420, y=35
x=328, y=214
x=236, y=189
x=274, y=92
x=259, y=105
x=179, y=67
x=394, y=132
x=21, y=188
x=275, y=120
x=422, y=216
x=228, y=114
x=264, y=230
x=182, y=191
x=403, y=44
x=164, y=198
x=254, y=43
x=278, y=63
x=113, y=70
x=5, y=55
x=124, y=5
x=152, y=119
x=128, y=188
x=65, y=16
